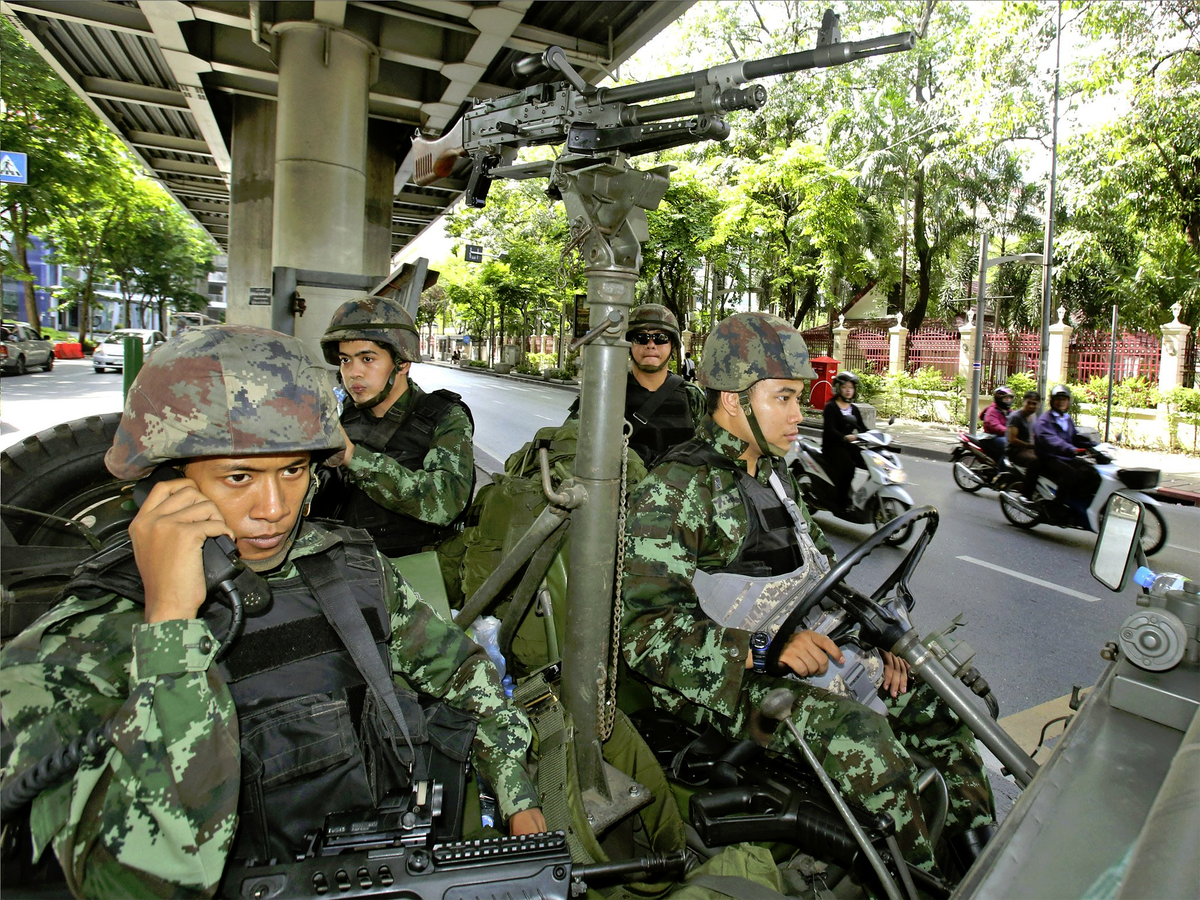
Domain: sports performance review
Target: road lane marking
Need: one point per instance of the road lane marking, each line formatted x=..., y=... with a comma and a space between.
x=1046, y=584
x=1184, y=549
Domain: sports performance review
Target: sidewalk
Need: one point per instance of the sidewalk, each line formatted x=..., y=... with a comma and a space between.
x=1179, y=483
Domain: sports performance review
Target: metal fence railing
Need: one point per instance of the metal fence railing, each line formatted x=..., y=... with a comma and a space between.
x=1006, y=354
x=819, y=341
x=1137, y=355
x=866, y=351
x=934, y=347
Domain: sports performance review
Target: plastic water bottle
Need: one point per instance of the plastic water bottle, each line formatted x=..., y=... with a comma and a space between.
x=1160, y=584
x=488, y=808
x=485, y=631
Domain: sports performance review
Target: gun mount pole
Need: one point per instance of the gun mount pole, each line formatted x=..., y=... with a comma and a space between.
x=606, y=203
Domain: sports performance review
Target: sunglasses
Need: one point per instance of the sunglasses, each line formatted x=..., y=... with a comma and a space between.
x=646, y=337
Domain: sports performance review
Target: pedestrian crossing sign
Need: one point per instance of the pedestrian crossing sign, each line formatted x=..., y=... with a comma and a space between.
x=14, y=168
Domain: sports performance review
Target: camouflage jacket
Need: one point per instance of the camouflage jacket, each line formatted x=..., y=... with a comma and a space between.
x=156, y=815
x=682, y=518
x=441, y=488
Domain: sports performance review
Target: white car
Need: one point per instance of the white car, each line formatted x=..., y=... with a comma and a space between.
x=110, y=354
x=21, y=349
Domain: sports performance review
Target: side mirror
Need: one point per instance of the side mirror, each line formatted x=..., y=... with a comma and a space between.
x=1118, y=541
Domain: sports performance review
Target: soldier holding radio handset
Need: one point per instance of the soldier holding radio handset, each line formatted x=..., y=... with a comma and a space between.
x=228, y=741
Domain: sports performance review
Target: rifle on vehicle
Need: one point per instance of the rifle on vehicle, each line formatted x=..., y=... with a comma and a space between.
x=594, y=121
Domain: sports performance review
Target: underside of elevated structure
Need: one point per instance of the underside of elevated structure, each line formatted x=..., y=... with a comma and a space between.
x=164, y=75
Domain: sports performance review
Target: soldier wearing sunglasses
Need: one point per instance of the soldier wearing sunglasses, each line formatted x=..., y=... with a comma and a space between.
x=662, y=408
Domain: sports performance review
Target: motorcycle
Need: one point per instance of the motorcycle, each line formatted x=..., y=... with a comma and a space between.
x=974, y=468
x=878, y=499
x=1046, y=508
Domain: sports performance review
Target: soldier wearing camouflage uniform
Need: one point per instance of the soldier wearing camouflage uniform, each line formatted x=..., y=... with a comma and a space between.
x=724, y=508
x=661, y=407
x=409, y=465
x=237, y=758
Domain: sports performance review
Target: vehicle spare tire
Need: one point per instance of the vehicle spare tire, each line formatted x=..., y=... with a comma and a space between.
x=60, y=472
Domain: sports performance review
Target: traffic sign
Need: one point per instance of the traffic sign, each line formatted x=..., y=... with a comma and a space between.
x=474, y=253
x=14, y=168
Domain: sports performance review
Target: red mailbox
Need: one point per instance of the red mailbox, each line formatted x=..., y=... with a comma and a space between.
x=822, y=387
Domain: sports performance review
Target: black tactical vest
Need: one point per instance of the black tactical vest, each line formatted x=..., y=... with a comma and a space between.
x=313, y=741
x=770, y=546
x=405, y=437
x=667, y=425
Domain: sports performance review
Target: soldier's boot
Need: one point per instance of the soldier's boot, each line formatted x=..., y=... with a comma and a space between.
x=967, y=846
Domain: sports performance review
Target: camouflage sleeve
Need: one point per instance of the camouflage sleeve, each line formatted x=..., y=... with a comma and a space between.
x=666, y=637
x=435, y=493
x=697, y=402
x=436, y=657
x=156, y=814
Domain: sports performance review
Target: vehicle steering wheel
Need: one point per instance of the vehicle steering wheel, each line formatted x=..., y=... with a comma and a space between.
x=880, y=627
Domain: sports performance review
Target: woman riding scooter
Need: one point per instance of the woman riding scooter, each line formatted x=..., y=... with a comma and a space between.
x=995, y=423
x=842, y=424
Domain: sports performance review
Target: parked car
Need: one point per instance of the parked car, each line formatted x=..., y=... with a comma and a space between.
x=110, y=353
x=21, y=349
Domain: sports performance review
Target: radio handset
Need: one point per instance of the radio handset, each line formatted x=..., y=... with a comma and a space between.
x=226, y=577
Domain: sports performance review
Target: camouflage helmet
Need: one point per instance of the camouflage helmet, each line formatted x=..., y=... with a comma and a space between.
x=225, y=390
x=378, y=319
x=749, y=347
x=654, y=316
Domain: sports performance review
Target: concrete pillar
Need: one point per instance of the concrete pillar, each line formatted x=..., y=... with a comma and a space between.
x=321, y=158
x=1170, y=360
x=382, y=140
x=1060, y=345
x=897, y=344
x=966, y=347
x=841, y=335
x=251, y=193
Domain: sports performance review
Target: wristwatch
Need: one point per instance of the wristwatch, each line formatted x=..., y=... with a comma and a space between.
x=759, y=642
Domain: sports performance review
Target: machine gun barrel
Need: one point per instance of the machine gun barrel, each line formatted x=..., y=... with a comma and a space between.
x=819, y=57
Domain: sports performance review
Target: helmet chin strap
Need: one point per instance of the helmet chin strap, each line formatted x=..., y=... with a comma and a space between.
x=387, y=389
x=763, y=447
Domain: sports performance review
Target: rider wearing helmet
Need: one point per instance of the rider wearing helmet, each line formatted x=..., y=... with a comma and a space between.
x=1059, y=448
x=409, y=467
x=995, y=422
x=227, y=747
x=720, y=521
x=1020, y=440
x=660, y=406
x=841, y=424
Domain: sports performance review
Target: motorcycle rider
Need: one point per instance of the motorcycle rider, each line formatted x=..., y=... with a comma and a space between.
x=1020, y=440
x=239, y=758
x=661, y=407
x=995, y=423
x=409, y=467
x=841, y=423
x=724, y=503
x=1060, y=448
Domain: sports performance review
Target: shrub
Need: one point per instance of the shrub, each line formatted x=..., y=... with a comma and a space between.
x=559, y=374
x=476, y=363
x=1183, y=408
x=1021, y=383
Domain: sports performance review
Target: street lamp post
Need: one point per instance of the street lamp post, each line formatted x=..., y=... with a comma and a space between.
x=1029, y=259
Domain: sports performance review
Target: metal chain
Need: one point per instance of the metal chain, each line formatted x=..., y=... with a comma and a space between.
x=608, y=697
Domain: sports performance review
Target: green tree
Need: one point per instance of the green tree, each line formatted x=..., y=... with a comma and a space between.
x=68, y=151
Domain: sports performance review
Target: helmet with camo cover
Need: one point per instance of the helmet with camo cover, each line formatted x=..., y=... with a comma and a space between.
x=654, y=317
x=378, y=319
x=225, y=390
x=749, y=347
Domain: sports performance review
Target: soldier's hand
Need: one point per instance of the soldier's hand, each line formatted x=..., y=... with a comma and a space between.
x=895, y=674
x=343, y=458
x=167, y=534
x=808, y=653
x=527, y=821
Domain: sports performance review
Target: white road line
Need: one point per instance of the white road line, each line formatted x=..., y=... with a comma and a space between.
x=1046, y=584
x=1184, y=549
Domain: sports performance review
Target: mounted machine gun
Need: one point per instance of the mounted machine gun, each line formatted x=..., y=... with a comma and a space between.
x=606, y=201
